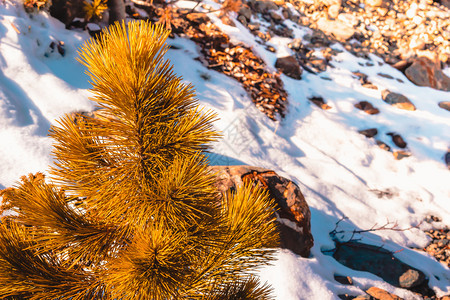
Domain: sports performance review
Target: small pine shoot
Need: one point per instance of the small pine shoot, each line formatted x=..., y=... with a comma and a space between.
x=94, y=10
x=130, y=210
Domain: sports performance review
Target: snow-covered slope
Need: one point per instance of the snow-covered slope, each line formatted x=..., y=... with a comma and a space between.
x=340, y=171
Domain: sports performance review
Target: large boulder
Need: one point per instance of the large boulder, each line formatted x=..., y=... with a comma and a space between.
x=425, y=72
x=293, y=215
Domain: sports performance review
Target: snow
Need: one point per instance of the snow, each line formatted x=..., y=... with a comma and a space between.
x=338, y=170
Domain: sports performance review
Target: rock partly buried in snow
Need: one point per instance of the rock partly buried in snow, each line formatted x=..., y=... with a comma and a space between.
x=425, y=72
x=383, y=263
x=367, y=107
x=398, y=140
x=445, y=105
x=339, y=29
x=346, y=280
x=293, y=213
x=289, y=66
x=380, y=294
x=369, y=133
x=397, y=100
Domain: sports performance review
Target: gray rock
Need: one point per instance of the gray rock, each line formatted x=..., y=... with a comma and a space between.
x=371, y=132
x=411, y=278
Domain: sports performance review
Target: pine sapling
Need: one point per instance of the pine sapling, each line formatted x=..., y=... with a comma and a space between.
x=130, y=210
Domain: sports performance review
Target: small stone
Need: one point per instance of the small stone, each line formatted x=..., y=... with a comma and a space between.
x=296, y=44
x=367, y=107
x=410, y=278
x=398, y=140
x=61, y=49
x=385, y=75
x=397, y=100
x=444, y=105
x=400, y=154
x=246, y=12
x=319, y=102
x=333, y=10
x=289, y=66
x=369, y=133
x=381, y=294
x=343, y=279
x=383, y=145
x=271, y=49
x=276, y=17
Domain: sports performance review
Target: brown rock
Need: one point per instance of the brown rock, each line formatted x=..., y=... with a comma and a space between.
x=425, y=72
x=289, y=66
x=398, y=140
x=367, y=107
x=343, y=279
x=293, y=213
x=397, y=100
x=444, y=105
x=319, y=102
x=381, y=294
x=337, y=28
x=383, y=146
x=371, y=132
